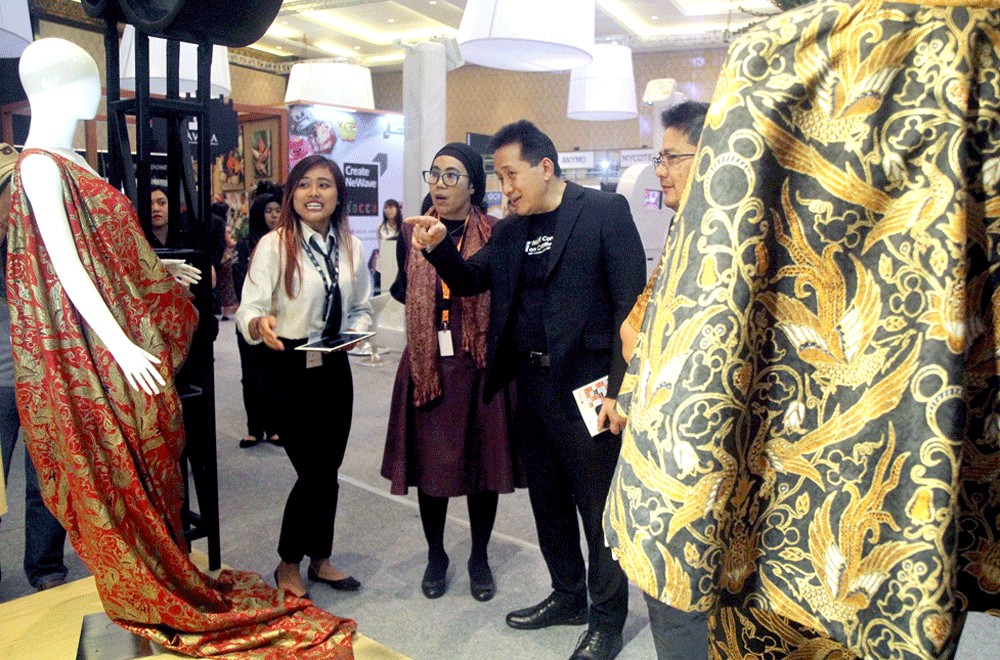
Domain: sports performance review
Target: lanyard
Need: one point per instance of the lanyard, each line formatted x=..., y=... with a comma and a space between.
x=332, y=266
x=445, y=291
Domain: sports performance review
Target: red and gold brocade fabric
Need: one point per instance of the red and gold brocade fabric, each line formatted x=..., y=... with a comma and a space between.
x=107, y=454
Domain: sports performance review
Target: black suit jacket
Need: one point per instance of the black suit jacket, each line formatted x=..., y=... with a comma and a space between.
x=596, y=270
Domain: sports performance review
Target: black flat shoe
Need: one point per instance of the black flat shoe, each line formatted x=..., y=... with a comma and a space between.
x=434, y=588
x=248, y=441
x=344, y=584
x=287, y=591
x=435, y=581
x=481, y=585
x=553, y=611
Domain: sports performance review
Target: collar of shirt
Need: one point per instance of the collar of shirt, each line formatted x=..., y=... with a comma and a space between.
x=329, y=241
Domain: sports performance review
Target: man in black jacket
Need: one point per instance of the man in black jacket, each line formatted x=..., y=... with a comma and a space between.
x=564, y=270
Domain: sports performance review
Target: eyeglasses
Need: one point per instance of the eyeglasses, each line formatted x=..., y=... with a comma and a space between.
x=672, y=159
x=449, y=178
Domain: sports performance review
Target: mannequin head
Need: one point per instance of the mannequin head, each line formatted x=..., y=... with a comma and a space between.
x=60, y=78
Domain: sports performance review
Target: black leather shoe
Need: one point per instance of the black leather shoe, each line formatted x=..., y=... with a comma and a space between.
x=344, y=584
x=597, y=645
x=553, y=611
x=434, y=588
x=435, y=581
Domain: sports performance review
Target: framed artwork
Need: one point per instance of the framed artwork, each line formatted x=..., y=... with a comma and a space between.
x=260, y=153
x=228, y=170
x=260, y=146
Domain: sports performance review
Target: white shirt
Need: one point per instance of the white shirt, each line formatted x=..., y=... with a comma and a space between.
x=301, y=317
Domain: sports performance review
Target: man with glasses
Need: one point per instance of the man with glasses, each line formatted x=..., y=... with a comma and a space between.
x=682, y=125
x=563, y=271
x=676, y=634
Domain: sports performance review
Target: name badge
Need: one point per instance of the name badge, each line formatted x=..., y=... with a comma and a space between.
x=444, y=343
x=313, y=359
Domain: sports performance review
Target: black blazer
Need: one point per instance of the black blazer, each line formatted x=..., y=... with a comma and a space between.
x=597, y=268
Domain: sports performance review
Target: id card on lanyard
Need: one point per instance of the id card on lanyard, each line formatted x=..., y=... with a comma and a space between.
x=330, y=285
x=444, y=334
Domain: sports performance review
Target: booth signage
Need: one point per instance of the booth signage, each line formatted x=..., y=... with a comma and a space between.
x=631, y=157
x=361, y=183
x=576, y=160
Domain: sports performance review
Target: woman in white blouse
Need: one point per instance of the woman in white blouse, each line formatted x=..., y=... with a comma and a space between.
x=307, y=278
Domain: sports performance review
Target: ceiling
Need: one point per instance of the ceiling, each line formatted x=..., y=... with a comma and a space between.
x=373, y=32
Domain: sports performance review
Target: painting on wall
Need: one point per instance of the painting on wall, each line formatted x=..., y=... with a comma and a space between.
x=261, y=156
x=228, y=170
x=263, y=167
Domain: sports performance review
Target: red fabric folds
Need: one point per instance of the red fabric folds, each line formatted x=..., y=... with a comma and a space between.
x=107, y=454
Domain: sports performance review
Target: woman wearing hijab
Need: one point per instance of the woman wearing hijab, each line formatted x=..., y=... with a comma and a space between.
x=442, y=439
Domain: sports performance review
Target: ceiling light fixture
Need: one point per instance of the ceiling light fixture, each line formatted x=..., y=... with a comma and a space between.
x=604, y=90
x=332, y=83
x=220, y=80
x=527, y=35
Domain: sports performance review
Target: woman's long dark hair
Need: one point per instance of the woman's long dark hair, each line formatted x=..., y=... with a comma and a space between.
x=288, y=223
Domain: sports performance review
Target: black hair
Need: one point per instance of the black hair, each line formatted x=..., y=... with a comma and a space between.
x=256, y=224
x=534, y=144
x=687, y=117
x=162, y=189
x=220, y=209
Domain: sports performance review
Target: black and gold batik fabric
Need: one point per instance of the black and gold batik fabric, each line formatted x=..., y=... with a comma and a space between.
x=813, y=439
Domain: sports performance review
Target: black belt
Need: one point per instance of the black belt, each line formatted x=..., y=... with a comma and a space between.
x=538, y=359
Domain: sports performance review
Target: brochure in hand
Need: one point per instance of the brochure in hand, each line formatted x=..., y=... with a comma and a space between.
x=341, y=341
x=589, y=400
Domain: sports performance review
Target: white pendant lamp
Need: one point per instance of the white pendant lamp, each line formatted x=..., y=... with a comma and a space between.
x=332, y=83
x=220, y=80
x=527, y=35
x=15, y=28
x=604, y=90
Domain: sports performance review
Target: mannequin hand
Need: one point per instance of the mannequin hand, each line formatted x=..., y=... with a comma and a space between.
x=609, y=417
x=183, y=273
x=265, y=329
x=428, y=232
x=138, y=366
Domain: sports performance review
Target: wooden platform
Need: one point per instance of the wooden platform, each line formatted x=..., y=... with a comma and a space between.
x=47, y=625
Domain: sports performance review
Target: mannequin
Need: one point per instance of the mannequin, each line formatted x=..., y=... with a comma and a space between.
x=58, y=103
x=94, y=372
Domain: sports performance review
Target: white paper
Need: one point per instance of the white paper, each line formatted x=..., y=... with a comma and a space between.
x=589, y=399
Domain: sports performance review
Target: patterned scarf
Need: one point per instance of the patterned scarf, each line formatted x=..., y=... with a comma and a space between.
x=422, y=312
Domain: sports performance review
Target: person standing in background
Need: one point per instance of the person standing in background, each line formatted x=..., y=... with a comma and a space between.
x=44, y=537
x=441, y=437
x=258, y=397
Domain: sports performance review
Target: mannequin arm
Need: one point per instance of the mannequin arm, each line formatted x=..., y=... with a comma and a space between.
x=42, y=184
x=183, y=273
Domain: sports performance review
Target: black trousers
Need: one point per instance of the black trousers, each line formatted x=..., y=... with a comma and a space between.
x=569, y=471
x=315, y=420
x=258, y=398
